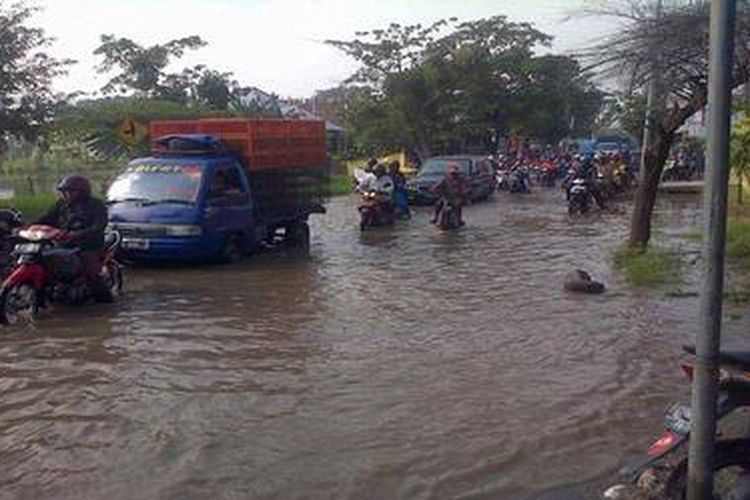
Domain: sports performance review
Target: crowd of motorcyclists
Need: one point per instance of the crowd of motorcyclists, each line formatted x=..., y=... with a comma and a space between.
x=586, y=178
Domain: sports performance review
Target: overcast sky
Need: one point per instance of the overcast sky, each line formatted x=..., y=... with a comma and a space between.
x=275, y=45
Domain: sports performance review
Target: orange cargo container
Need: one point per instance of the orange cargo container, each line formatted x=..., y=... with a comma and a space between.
x=264, y=143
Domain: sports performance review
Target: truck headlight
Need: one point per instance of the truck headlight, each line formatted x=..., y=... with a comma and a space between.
x=183, y=230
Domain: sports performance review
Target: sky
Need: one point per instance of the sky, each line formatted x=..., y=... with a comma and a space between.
x=275, y=45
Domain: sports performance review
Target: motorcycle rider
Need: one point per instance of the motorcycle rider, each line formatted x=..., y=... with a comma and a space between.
x=400, y=200
x=381, y=184
x=587, y=171
x=454, y=190
x=83, y=218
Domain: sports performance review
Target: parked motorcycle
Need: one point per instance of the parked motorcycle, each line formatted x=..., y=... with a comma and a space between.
x=732, y=456
x=579, y=197
x=373, y=212
x=45, y=272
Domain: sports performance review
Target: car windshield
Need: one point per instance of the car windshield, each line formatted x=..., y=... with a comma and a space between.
x=435, y=167
x=160, y=183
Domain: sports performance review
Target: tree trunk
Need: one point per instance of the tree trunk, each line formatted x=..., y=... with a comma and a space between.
x=739, y=188
x=645, y=196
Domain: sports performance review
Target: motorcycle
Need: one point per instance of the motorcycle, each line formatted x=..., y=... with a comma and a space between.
x=501, y=178
x=45, y=272
x=10, y=221
x=731, y=456
x=518, y=182
x=449, y=216
x=373, y=212
x=579, y=197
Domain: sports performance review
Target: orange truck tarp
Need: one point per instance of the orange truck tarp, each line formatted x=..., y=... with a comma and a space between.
x=264, y=143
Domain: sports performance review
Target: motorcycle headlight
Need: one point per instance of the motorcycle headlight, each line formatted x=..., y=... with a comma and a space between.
x=183, y=230
x=27, y=248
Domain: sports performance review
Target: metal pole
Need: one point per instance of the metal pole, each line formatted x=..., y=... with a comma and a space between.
x=653, y=100
x=703, y=430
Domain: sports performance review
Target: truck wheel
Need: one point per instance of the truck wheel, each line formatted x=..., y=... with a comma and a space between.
x=231, y=253
x=297, y=237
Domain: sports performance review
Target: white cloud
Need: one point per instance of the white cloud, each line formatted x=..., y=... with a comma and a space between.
x=273, y=44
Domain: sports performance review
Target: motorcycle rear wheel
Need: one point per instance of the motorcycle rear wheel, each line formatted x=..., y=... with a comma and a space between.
x=18, y=303
x=731, y=460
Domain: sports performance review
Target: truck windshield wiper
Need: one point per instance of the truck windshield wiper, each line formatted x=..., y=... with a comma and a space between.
x=123, y=200
x=177, y=201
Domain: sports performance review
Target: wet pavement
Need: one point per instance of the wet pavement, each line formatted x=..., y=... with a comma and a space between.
x=400, y=363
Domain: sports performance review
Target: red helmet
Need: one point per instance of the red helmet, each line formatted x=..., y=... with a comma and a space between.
x=75, y=182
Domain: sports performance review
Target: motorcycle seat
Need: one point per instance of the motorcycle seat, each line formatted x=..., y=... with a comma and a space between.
x=739, y=359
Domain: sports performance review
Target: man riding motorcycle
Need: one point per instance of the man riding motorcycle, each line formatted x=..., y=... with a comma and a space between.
x=587, y=171
x=454, y=190
x=83, y=218
x=382, y=185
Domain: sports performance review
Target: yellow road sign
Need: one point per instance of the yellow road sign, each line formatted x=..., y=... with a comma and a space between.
x=131, y=132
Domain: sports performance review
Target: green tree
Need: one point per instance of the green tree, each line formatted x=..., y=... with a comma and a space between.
x=27, y=101
x=141, y=69
x=675, y=47
x=453, y=92
x=740, y=152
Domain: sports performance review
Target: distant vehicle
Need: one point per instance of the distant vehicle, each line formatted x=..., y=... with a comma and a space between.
x=613, y=142
x=214, y=189
x=479, y=171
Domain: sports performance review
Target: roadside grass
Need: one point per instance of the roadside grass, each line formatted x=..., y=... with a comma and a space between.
x=340, y=184
x=31, y=206
x=650, y=267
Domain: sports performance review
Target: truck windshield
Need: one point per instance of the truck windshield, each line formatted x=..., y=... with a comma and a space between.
x=168, y=183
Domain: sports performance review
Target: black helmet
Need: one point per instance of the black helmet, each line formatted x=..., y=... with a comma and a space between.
x=379, y=169
x=75, y=182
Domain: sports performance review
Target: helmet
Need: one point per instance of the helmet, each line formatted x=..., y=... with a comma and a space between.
x=75, y=182
x=379, y=169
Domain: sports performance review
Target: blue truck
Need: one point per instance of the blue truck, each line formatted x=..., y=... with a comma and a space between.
x=217, y=195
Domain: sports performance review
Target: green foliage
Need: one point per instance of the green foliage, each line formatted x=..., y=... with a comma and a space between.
x=93, y=124
x=738, y=240
x=340, y=184
x=740, y=149
x=32, y=207
x=427, y=93
x=649, y=267
x=141, y=69
x=27, y=101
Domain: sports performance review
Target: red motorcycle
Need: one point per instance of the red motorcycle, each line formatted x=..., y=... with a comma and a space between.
x=47, y=272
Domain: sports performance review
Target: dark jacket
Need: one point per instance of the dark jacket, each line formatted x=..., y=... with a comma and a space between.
x=456, y=191
x=88, y=216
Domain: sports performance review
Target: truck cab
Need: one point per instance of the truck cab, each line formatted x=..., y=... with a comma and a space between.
x=196, y=200
x=190, y=208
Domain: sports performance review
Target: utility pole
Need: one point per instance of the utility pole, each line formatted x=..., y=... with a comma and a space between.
x=654, y=99
x=705, y=382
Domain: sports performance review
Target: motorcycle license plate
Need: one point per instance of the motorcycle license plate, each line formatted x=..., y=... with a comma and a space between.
x=677, y=418
x=135, y=244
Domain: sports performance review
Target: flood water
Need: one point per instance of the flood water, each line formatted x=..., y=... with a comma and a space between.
x=404, y=363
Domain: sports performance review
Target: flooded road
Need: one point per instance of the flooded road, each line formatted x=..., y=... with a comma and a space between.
x=403, y=363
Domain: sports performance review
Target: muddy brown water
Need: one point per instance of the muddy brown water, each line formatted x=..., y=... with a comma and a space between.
x=402, y=363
